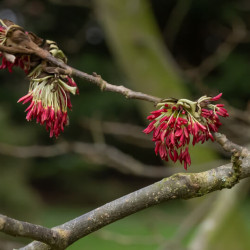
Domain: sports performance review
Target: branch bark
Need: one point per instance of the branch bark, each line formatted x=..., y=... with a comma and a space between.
x=230, y=146
x=178, y=186
x=104, y=85
x=20, y=228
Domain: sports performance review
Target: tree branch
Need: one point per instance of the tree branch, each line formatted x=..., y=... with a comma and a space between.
x=95, y=79
x=16, y=50
x=178, y=186
x=104, y=85
x=230, y=146
x=19, y=228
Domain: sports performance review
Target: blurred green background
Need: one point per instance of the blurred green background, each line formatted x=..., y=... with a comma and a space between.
x=184, y=48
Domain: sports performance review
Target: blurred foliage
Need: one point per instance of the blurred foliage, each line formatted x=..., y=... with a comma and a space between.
x=235, y=69
x=188, y=30
x=226, y=236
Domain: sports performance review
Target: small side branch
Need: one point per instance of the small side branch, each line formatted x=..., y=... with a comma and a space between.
x=95, y=79
x=231, y=147
x=16, y=50
x=19, y=228
x=102, y=84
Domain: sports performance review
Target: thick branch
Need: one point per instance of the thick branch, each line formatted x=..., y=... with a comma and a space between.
x=178, y=186
x=19, y=228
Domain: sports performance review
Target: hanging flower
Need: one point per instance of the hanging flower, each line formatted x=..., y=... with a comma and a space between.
x=49, y=95
x=9, y=60
x=177, y=122
x=49, y=99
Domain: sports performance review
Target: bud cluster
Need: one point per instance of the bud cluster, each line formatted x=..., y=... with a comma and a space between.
x=9, y=60
x=177, y=122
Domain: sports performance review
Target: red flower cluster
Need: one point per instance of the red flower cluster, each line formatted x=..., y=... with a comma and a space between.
x=49, y=102
x=179, y=121
x=8, y=63
x=49, y=93
x=8, y=60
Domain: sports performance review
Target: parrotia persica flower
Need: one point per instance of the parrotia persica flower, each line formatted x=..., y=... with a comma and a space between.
x=9, y=60
x=49, y=100
x=178, y=122
x=49, y=91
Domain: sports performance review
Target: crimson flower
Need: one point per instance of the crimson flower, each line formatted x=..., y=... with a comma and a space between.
x=49, y=99
x=49, y=95
x=9, y=60
x=177, y=122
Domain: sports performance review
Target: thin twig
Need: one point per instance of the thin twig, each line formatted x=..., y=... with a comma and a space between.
x=95, y=79
x=231, y=147
x=16, y=50
x=104, y=85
